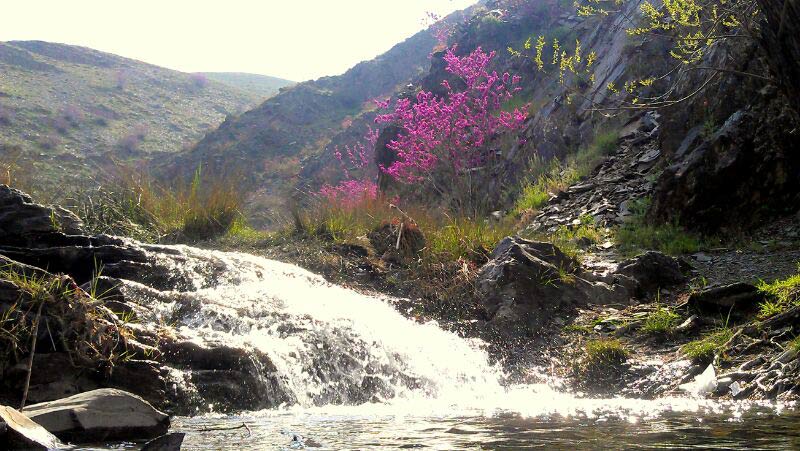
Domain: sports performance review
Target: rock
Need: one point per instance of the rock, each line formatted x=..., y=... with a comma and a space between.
x=23, y=222
x=651, y=271
x=169, y=442
x=738, y=299
x=19, y=432
x=702, y=258
x=525, y=283
x=744, y=173
x=229, y=378
x=100, y=415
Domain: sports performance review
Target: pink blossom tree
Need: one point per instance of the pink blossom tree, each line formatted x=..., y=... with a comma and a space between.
x=443, y=137
x=450, y=132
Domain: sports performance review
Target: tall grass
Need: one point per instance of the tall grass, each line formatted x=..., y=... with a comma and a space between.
x=550, y=177
x=447, y=237
x=132, y=203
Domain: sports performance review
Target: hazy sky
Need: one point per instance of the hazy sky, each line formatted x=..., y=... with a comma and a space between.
x=294, y=39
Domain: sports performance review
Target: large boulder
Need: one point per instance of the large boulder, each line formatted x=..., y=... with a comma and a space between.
x=526, y=283
x=100, y=415
x=19, y=432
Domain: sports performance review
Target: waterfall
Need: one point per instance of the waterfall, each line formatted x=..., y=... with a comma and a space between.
x=329, y=344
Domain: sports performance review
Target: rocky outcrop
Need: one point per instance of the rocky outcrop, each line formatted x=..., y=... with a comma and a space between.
x=25, y=223
x=526, y=283
x=780, y=39
x=746, y=171
x=18, y=432
x=100, y=415
x=610, y=191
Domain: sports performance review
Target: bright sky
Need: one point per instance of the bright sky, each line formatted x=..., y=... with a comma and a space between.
x=294, y=39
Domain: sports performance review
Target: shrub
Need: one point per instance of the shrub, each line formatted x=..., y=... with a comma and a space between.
x=140, y=207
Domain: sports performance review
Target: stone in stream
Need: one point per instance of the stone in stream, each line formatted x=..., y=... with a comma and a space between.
x=100, y=415
x=169, y=442
x=20, y=432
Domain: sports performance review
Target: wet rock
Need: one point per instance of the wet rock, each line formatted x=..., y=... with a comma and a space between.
x=169, y=442
x=18, y=432
x=651, y=271
x=526, y=283
x=100, y=415
x=229, y=378
x=738, y=299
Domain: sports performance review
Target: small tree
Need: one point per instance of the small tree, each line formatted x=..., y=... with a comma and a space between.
x=445, y=138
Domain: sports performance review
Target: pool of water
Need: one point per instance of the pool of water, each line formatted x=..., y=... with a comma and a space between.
x=717, y=427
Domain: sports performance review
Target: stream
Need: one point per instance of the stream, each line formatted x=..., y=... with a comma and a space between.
x=351, y=372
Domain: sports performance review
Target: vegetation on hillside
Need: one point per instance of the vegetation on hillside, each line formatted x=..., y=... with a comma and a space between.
x=70, y=110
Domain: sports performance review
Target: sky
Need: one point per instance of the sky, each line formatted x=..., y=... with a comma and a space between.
x=293, y=39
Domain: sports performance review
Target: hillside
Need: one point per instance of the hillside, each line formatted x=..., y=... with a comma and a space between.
x=253, y=83
x=68, y=110
x=272, y=140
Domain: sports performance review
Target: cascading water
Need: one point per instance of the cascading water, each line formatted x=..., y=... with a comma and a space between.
x=331, y=352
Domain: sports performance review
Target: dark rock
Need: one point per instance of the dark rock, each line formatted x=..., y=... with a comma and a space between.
x=526, y=283
x=745, y=172
x=230, y=378
x=651, y=271
x=18, y=432
x=737, y=299
x=169, y=442
x=143, y=377
x=100, y=415
x=53, y=376
x=25, y=223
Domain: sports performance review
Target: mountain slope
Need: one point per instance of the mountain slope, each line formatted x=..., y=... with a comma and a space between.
x=253, y=83
x=66, y=110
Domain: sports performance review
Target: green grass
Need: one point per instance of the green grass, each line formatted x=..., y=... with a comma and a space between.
x=637, y=235
x=604, y=351
x=447, y=237
x=554, y=176
x=660, y=321
x=568, y=238
x=704, y=348
x=780, y=295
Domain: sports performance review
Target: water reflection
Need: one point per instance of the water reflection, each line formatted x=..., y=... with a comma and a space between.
x=759, y=427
